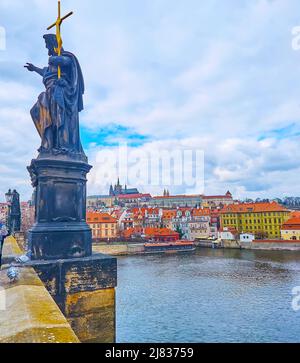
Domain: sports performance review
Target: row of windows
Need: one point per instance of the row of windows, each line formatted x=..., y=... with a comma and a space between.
x=93, y=226
x=266, y=214
x=254, y=221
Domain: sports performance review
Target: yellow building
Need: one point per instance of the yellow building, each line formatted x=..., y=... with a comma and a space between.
x=291, y=230
x=262, y=219
x=103, y=225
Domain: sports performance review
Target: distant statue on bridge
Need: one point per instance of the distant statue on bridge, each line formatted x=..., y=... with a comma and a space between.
x=56, y=113
x=15, y=213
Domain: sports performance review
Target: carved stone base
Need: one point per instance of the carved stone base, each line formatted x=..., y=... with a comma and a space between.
x=60, y=240
x=61, y=230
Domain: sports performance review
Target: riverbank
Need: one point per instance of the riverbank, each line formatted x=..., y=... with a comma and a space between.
x=128, y=249
x=274, y=245
x=269, y=245
x=119, y=249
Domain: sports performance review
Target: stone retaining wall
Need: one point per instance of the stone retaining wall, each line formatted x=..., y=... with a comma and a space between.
x=119, y=250
x=275, y=245
x=58, y=301
x=29, y=314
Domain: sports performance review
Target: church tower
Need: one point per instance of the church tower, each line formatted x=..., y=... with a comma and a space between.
x=118, y=188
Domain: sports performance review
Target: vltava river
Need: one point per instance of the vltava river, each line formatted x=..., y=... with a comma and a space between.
x=210, y=296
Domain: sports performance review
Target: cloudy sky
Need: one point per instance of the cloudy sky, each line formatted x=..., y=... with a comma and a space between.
x=171, y=75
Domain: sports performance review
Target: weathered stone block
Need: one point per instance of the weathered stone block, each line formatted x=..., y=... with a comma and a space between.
x=84, y=290
x=92, y=315
x=30, y=314
x=88, y=302
x=77, y=275
x=97, y=327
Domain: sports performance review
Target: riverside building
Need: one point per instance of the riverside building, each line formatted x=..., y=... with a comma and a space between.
x=262, y=219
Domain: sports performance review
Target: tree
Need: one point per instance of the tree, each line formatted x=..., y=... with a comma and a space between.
x=179, y=230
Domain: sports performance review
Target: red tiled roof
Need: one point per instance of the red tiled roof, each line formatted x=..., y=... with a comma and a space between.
x=94, y=217
x=150, y=232
x=177, y=196
x=227, y=197
x=293, y=220
x=201, y=212
x=169, y=214
x=253, y=207
x=134, y=196
x=295, y=214
x=292, y=224
x=137, y=210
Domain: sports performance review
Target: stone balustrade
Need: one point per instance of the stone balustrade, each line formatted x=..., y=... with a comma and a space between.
x=28, y=314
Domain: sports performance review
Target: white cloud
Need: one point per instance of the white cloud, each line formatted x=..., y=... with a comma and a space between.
x=248, y=168
x=14, y=92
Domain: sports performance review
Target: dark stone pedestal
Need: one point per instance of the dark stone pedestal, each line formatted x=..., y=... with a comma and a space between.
x=61, y=230
x=82, y=284
x=84, y=290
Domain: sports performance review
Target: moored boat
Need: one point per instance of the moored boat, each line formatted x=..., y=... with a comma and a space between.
x=169, y=247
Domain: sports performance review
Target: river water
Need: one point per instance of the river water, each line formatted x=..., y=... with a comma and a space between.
x=209, y=296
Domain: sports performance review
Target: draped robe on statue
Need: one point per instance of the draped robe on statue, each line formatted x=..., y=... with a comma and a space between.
x=56, y=113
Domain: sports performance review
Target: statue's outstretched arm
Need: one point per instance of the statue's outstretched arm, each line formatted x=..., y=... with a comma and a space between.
x=32, y=68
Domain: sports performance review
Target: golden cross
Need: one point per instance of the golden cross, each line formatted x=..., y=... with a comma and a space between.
x=57, y=24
